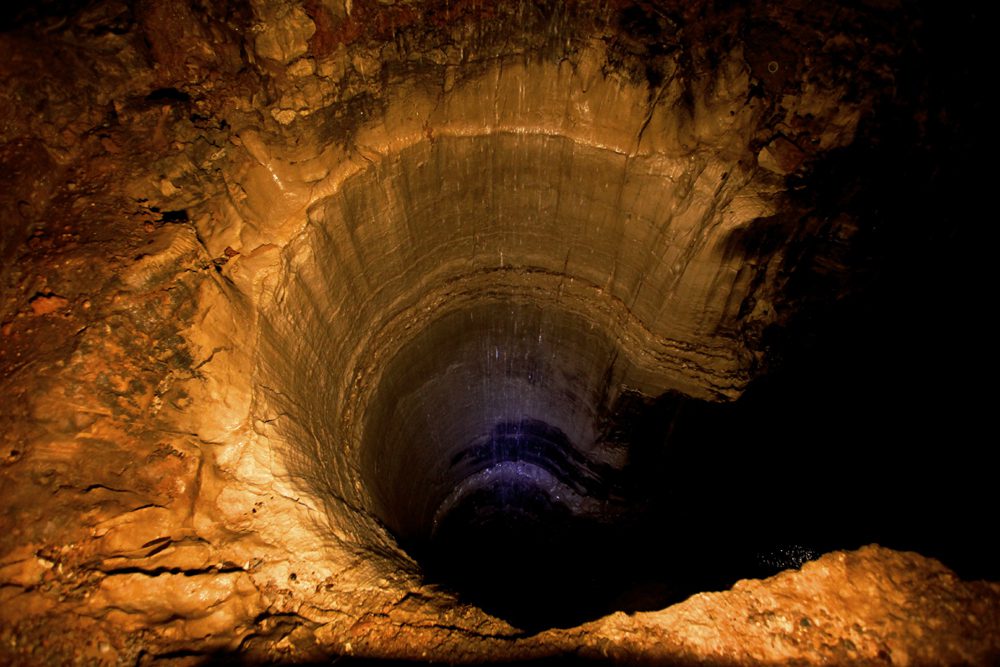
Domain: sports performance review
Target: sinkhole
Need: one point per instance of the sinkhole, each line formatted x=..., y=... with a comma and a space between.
x=478, y=347
x=484, y=455
x=500, y=454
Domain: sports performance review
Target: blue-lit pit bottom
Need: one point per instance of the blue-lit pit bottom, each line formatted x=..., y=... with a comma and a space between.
x=485, y=454
x=526, y=534
x=505, y=456
x=501, y=381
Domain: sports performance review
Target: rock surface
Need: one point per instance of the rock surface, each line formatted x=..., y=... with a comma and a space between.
x=220, y=224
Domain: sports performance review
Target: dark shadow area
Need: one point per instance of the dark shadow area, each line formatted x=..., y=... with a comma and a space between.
x=817, y=456
x=868, y=423
x=537, y=540
x=18, y=13
x=865, y=424
x=581, y=540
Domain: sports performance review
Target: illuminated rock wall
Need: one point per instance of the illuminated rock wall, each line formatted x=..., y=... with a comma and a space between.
x=289, y=287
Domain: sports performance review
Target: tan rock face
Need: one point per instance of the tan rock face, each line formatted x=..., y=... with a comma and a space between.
x=314, y=313
x=283, y=31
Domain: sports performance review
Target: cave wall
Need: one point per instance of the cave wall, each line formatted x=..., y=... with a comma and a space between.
x=240, y=242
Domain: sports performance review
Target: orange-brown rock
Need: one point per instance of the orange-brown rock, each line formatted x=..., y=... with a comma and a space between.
x=274, y=272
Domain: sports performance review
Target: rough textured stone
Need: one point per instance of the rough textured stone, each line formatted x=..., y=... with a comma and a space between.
x=283, y=31
x=234, y=244
x=870, y=606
